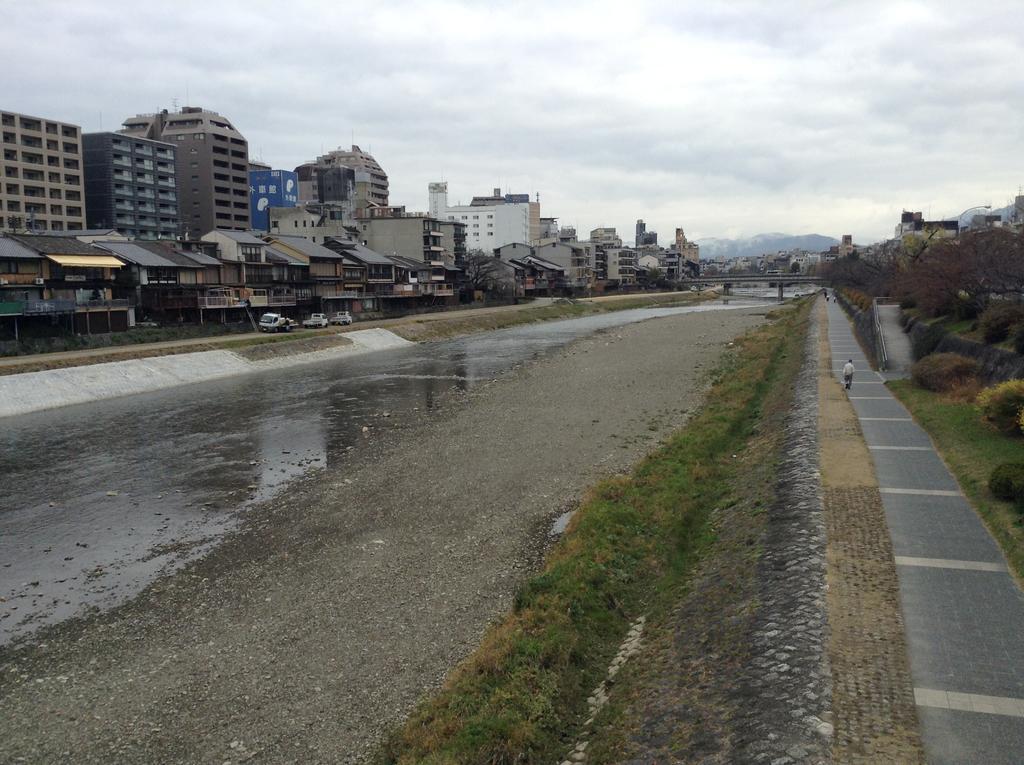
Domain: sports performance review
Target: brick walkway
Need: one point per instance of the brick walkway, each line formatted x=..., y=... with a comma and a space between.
x=963, y=611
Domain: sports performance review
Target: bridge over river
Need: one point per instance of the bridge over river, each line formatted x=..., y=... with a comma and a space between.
x=728, y=281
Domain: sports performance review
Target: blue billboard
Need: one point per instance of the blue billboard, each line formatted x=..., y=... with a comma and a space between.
x=270, y=188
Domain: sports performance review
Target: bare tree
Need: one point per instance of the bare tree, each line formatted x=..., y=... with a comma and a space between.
x=486, y=273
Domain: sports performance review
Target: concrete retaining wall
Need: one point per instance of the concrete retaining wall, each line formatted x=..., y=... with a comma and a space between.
x=34, y=391
x=997, y=364
x=863, y=328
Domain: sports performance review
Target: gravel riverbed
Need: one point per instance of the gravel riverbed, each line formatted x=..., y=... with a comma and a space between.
x=315, y=628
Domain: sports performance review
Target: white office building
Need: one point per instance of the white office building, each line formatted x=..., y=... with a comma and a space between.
x=491, y=222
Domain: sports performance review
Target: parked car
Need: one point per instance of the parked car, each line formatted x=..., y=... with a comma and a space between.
x=275, y=322
x=341, y=318
x=316, y=320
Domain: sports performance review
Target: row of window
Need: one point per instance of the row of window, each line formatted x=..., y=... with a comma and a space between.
x=28, y=123
x=39, y=208
x=32, y=158
x=37, y=143
x=38, y=224
x=36, y=175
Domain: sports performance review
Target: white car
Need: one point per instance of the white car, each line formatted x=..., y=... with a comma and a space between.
x=341, y=318
x=316, y=320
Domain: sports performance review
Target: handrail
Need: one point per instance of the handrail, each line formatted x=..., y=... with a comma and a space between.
x=883, y=357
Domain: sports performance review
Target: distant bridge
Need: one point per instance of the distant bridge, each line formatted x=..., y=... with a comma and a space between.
x=728, y=281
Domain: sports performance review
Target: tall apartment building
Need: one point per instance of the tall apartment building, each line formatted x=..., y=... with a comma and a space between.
x=687, y=250
x=352, y=179
x=130, y=185
x=605, y=237
x=212, y=163
x=41, y=185
x=491, y=221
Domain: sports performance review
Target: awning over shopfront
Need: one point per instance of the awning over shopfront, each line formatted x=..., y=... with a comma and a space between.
x=86, y=261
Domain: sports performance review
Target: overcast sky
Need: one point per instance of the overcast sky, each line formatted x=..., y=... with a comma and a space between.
x=729, y=119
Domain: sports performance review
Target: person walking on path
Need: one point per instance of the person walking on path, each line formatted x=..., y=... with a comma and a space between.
x=848, y=373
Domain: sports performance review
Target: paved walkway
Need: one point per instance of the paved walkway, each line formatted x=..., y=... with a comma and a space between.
x=963, y=611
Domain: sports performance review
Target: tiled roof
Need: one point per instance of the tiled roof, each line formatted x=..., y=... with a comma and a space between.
x=131, y=252
x=242, y=237
x=360, y=252
x=307, y=247
x=54, y=245
x=15, y=250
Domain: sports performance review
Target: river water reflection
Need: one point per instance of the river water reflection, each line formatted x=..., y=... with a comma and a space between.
x=97, y=500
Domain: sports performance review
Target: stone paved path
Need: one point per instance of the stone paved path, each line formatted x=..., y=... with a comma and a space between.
x=963, y=611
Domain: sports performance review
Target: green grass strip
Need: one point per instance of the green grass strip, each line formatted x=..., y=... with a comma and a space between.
x=628, y=549
x=972, y=449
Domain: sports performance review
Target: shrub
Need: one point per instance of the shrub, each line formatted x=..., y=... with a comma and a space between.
x=1001, y=405
x=927, y=341
x=1007, y=482
x=1018, y=339
x=857, y=299
x=942, y=372
x=998, y=319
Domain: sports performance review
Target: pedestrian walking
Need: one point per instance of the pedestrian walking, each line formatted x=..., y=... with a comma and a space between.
x=848, y=373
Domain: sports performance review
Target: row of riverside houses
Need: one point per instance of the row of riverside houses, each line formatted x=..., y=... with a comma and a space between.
x=100, y=281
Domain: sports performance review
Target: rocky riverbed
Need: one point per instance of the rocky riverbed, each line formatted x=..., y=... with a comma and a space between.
x=319, y=623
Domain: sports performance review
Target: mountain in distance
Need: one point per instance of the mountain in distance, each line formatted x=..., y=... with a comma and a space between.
x=762, y=244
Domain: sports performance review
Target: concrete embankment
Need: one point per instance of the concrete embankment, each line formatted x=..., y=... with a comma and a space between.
x=52, y=388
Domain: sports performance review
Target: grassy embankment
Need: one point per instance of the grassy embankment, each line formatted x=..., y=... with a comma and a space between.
x=419, y=328
x=424, y=329
x=628, y=551
x=972, y=449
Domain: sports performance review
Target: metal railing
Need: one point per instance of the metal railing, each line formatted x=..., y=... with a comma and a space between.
x=883, y=357
x=39, y=307
x=115, y=303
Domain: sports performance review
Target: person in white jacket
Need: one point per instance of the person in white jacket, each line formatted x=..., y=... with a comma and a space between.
x=848, y=373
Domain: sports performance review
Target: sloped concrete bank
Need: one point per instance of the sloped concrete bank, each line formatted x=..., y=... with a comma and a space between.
x=53, y=388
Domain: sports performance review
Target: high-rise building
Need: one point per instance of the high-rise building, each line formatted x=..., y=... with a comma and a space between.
x=491, y=221
x=644, y=237
x=605, y=237
x=130, y=185
x=212, y=161
x=687, y=250
x=353, y=178
x=41, y=185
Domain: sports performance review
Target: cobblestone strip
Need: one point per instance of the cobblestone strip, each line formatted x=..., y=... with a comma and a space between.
x=786, y=716
x=598, y=699
x=872, y=697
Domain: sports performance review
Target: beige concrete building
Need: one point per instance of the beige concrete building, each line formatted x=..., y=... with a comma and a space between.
x=393, y=231
x=212, y=165
x=42, y=187
x=605, y=237
x=688, y=251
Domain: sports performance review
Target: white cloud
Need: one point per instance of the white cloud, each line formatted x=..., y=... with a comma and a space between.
x=723, y=118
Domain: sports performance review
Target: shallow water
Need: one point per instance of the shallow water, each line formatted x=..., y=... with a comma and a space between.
x=99, y=499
